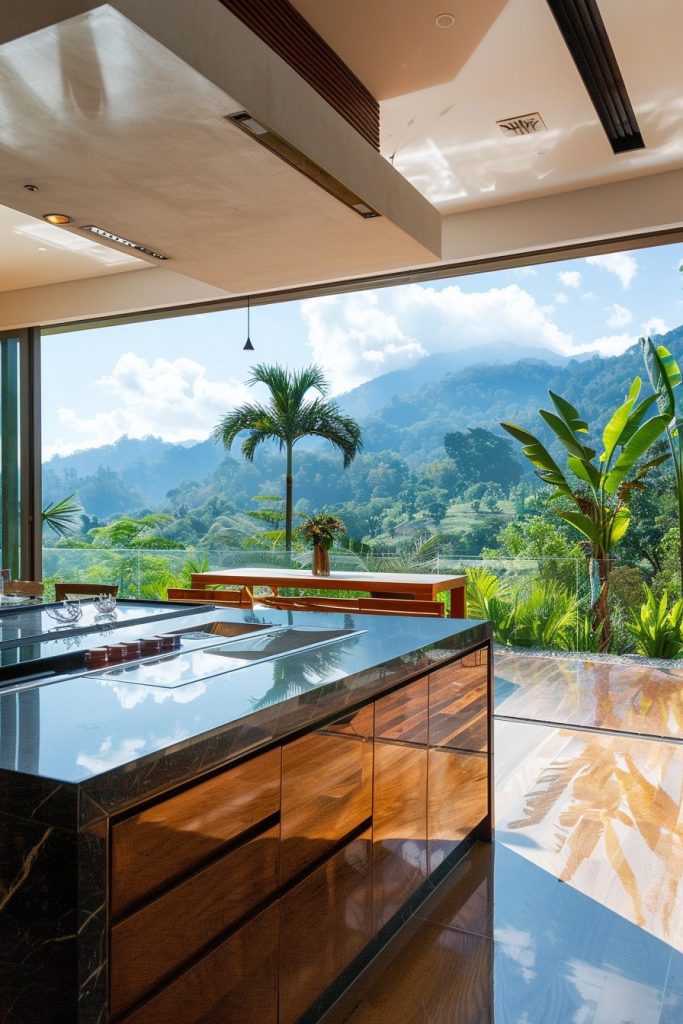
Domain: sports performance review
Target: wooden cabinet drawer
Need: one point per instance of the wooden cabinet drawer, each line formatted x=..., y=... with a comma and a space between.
x=325, y=921
x=400, y=799
x=151, y=849
x=458, y=703
x=236, y=983
x=152, y=944
x=326, y=789
x=458, y=799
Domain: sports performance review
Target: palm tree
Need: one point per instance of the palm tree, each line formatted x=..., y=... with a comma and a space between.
x=287, y=417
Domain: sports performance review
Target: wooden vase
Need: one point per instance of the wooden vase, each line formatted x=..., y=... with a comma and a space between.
x=321, y=560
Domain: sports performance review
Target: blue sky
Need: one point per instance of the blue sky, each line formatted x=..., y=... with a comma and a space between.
x=175, y=378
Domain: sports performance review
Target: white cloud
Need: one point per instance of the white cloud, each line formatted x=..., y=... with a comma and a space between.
x=619, y=316
x=361, y=336
x=560, y=298
x=172, y=399
x=569, y=278
x=524, y=272
x=611, y=345
x=587, y=295
x=621, y=264
x=655, y=325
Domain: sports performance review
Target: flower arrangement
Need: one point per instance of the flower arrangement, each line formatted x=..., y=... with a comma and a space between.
x=322, y=529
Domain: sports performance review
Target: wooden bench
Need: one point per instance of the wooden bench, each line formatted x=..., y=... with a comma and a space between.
x=236, y=598
x=357, y=605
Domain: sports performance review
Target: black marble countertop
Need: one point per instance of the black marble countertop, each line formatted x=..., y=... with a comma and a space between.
x=119, y=736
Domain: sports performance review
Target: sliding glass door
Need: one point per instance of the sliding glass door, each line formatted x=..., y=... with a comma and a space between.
x=10, y=443
x=20, y=521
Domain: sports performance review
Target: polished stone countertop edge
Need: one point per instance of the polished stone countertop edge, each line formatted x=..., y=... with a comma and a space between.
x=84, y=803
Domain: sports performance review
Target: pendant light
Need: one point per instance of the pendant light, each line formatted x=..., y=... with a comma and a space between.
x=248, y=347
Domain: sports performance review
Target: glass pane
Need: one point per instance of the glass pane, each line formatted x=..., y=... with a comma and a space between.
x=9, y=455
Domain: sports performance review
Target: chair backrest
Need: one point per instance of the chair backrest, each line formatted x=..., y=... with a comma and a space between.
x=194, y=595
x=403, y=606
x=23, y=588
x=65, y=591
x=360, y=605
x=309, y=604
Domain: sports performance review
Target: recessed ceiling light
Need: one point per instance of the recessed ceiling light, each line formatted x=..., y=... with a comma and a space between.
x=42, y=248
x=120, y=240
x=57, y=218
x=300, y=162
x=445, y=20
x=31, y=188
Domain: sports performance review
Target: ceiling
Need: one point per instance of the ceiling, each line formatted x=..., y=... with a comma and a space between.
x=117, y=112
x=443, y=90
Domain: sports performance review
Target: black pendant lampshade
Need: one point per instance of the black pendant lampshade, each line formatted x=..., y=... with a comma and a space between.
x=248, y=347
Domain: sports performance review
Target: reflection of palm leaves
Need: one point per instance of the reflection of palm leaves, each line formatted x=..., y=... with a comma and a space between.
x=609, y=793
x=291, y=678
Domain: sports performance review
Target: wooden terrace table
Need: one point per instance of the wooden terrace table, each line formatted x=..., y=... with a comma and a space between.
x=415, y=586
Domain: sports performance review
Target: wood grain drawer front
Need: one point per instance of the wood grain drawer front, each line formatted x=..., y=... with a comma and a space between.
x=399, y=827
x=458, y=703
x=151, y=849
x=403, y=715
x=234, y=984
x=326, y=789
x=150, y=945
x=458, y=799
x=325, y=921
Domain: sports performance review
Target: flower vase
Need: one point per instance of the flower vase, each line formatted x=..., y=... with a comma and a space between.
x=321, y=560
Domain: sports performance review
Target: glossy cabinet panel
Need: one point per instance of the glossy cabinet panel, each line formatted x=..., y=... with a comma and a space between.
x=402, y=715
x=325, y=921
x=400, y=800
x=458, y=703
x=149, y=946
x=150, y=849
x=236, y=983
x=326, y=789
x=458, y=799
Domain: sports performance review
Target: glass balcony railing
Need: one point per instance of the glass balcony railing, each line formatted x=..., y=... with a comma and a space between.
x=534, y=603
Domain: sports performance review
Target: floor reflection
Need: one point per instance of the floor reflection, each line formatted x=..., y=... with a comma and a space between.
x=575, y=914
x=628, y=698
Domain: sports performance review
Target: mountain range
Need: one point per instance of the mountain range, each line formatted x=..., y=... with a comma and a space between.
x=406, y=412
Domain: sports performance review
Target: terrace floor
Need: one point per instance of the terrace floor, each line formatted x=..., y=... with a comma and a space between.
x=575, y=914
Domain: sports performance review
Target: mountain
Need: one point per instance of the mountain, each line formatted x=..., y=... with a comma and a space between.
x=364, y=400
x=404, y=415
x=147, y=467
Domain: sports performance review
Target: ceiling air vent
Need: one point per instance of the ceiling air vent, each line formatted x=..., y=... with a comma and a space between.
x=300, y=162
x=523, y=124
x=584, y=32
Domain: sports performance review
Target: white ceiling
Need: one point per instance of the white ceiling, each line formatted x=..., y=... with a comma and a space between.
x=117, y=112
x=35, y=253
x=507, y=60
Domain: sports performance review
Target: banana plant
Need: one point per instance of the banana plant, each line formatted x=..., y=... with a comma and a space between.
x=665, y=375
x=598, y=486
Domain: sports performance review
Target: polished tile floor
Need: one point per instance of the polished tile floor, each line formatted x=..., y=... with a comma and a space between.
x=575, y=914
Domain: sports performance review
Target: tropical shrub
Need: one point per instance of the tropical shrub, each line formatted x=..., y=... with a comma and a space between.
x=542, y=614
x=656, y=628
x=594, y=495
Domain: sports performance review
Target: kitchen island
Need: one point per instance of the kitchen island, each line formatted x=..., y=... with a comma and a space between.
x=229, y=831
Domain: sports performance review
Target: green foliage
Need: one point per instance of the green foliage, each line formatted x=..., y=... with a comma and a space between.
x=133, y=533
x=668, y=578
x=665, y=377
x=63, y=517
x=627, y=585
x=541, y=614
x=656, y=628
x=598, y=490
x=478, y=455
